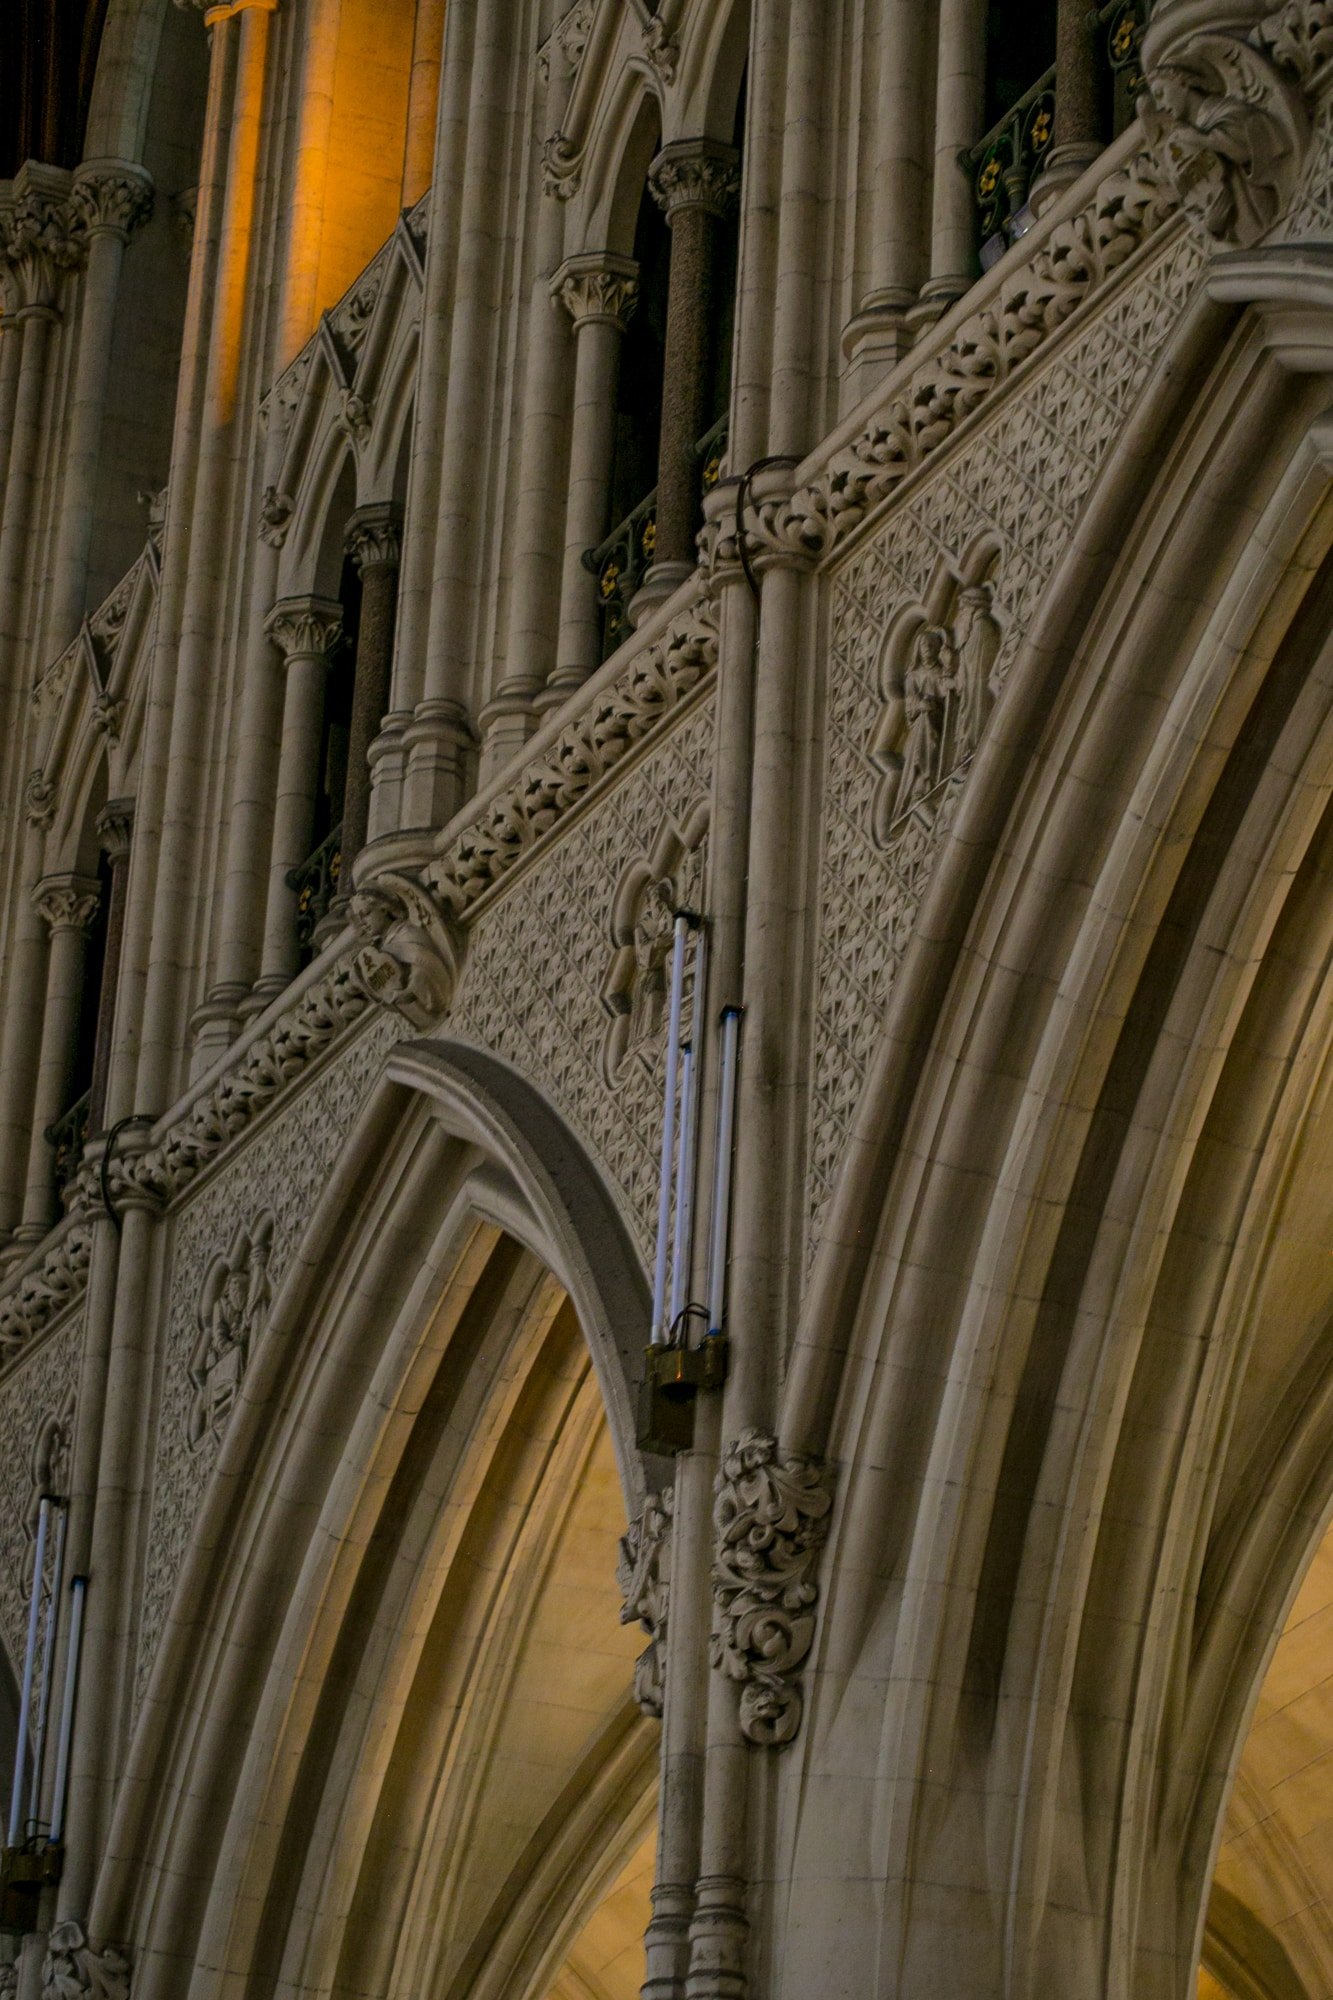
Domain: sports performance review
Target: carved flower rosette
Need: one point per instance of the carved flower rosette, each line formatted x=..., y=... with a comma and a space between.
x=771, y=1519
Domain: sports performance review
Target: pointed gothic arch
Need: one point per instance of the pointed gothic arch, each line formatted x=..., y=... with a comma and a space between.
x=420, y=1673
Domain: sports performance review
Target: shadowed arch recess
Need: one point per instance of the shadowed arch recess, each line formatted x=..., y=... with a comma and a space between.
x=389, y=1744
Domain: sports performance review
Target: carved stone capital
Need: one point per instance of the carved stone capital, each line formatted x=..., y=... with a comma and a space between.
x=114, y=825
x=1227, y=107
x=695, y=173
x=111, y=195
x=771, y=1520
x=374, y=536
x=40, y=240
x=410, y=951
x=644, y=1575
x=305, y=628
x=66, y=902
x=74, y=1965
x=598, y=286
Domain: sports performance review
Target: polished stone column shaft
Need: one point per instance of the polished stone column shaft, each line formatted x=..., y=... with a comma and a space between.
x=67, y=905
x=694, y=181
x=109, y=199
x=599, y=292
x=305, y=631
x=113, y=826
x=374, y=544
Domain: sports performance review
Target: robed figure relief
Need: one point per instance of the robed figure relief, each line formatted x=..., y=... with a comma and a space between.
x=938, y=687
x=233, y=1305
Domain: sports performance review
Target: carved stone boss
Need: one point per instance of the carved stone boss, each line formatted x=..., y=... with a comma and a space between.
x=771, y=1518
x=644, y=1576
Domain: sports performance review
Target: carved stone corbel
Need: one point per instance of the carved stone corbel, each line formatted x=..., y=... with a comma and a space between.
x=771, y=1518
x=1227, y=110
x=410, y=950
x=644, y=1576
x=74, y=1966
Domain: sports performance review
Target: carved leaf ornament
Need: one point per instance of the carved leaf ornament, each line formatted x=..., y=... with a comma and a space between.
x=771, y=1518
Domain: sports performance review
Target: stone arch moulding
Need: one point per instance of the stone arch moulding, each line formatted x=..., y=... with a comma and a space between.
x=345, y=392
x=436, y=1308
x=1056, y=1185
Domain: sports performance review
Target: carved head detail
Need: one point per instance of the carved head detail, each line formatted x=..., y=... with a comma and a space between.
x=1230, y=133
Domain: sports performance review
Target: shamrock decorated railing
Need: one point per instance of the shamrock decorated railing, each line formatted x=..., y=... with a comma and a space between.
x=621, y=562
x=316, y=885
x=1009, y=158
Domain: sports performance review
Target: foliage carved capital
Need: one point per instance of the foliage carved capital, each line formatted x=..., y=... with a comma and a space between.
x=111, y=195
x=39, y=239
x=374, y=537
x=115, y=823
x=599, y=286
x=66, y=902
x=305, y=628
x=695, y=173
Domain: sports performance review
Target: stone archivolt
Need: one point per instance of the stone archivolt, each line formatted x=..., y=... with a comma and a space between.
x=771, y=1519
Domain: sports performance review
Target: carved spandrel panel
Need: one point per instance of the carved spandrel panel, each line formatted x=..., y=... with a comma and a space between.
x=36, y=1437
x=232, y=1244
x=539, y=978
x=1018, y=488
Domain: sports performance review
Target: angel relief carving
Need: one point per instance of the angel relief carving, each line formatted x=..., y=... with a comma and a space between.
x=635, y=989
x=937, y=682
x=233, y=1304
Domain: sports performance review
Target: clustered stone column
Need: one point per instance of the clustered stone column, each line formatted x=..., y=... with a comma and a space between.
x=114, y=824
x=878, y=335
x=305, y=630
x=599, y=291
x=374, y=542
x=109, y=200
x=67, y=905
x=694, y=181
